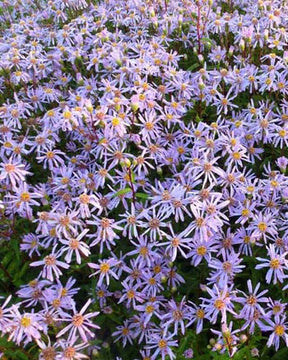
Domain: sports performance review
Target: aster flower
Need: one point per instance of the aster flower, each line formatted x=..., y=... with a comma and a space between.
x=12, y=170
x=76, y=246
x=26, y=327
x=278, y=328
x=276, y=264
x=161, y=345
x=220, y=302
x=104, y=269
x=51, y=265
x=251, y=302
x=79, y=323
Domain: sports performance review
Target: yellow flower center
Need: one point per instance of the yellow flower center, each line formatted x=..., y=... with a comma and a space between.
x=275, y=264
x=279, y=330
x=77, y=320
x=25, y=321
x=262, y=226
x=201, y=250
x=162, y=344
x=25, y=196
x=104, y=267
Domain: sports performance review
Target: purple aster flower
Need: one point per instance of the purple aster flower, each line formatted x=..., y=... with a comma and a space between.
x=276, y=264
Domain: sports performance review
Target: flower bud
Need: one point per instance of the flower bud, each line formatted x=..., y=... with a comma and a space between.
x=242, y=45
x=119, y=62
x=218, y=347
x=254, y=352
x=95, y=353
x=163, y=279
x=225, y=330
x=159, y=170
x=201, y=58
x=243, y=338
x=212, y=341
x=126, y=162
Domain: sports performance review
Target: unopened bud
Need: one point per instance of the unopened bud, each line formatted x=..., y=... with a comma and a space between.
x=119, y=62
x=212, y=341
x=242, y=44
x=225, y=330
x=163, y=279
x=243, y=338
x=201, y=58
x=218, y=347
x=126, y=163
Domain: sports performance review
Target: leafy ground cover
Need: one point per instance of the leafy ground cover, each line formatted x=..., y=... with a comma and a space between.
x=143, y=179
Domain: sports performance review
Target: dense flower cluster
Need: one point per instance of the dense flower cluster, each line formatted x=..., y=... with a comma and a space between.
x=144, y=150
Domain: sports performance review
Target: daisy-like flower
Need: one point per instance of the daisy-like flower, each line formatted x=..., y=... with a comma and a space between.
x=225, y=270
x=26, y=327
x=125, y=333
x=177, y=313
x=220, y=302
x=23, y=200
x=263, y=225
x=276, y=264
x=51, y=266
x=13, y=171
x=70, y=350
x=75, y=246
x=104, y=269
x=5, y=314
x=79, y=323
x=176, y=244
x=252, y=301
x=105, y=234
x=279, y=330
x=161, y=346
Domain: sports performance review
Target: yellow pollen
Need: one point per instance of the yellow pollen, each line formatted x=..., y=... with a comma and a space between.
x=9, y=168
x=236, y=155
x=50, y=155
x=69, y=352
x=149, y=126
x=25, y=321
x=149, y=309
x=25, y=197
x=50, y=260
x=105, y=223
x=262, y=226
x=245, y=212
x=84, y=199
x=279, y=330
x=219, y=304
x=130, y=294
x=251, y=300
x=200, y=313
x=74, y=244
x=275, y=264
x=104, y=267
x=201, y=250
x=143, y=251
x=162, y=344
x=77, y=320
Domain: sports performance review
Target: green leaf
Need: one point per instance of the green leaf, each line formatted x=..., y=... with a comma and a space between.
x=142, y=196
x=193, y=67
x=122, y=192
